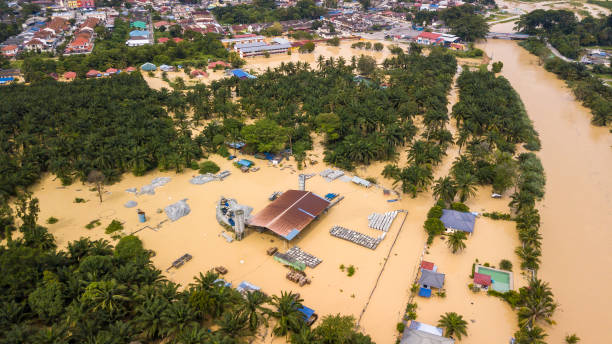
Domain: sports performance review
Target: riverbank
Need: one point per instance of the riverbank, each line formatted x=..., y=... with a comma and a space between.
x=576, y=208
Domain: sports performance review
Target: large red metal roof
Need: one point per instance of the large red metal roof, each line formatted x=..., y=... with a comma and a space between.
x=293, y=210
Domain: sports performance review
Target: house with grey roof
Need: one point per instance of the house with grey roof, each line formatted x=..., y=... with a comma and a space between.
x=454, y=220
x=431, y=279
x=412, y=336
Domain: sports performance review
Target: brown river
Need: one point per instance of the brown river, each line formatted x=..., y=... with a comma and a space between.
x=577, y=208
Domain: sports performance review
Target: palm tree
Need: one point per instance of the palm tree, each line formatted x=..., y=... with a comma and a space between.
x=192, y=335
x=108, y=296
x=530, y=237
x=148, y=317
x=445, y=189
x=206, y=282
x=530, y=257
x=455, y=241
x=538, y=304
x=304, y=336
x=466, y=186
x=177, y=317
x=534, y=335
x=234, y=324
x=572, y=339
x=252, y=306
x=453, y=324
x=286, y=311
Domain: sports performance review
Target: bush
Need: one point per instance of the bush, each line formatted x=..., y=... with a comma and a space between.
x=505, y=264
x=433, y=227
x=114, y=226
x=92, y=224
x=498, y=216
x=400, y=327
x=334, y=41
x=350, y=271
x=435, y=212
x=194, y=165
x=52, y=220
x=440, y=203
x=372, y=180
x=458, y=206
x=209, y=167
x=223, y=151
x=79, y=200
x=129, y=247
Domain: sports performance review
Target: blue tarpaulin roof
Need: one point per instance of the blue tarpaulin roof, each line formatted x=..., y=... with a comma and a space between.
x=10, y=78
x=239, y=73
x=424, y=292
x=458, y=220
x=245, y=162
x=308, y=312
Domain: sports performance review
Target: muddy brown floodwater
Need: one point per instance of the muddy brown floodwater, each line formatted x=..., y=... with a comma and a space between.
x=577, y=209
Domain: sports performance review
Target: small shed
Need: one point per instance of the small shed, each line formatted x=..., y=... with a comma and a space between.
x=425, y=265
x=149, y=67
x=112, y=71
x=70, y=75
x=458, y=221
x=166, y=68
x=431, y=279
x=163, y=40
x=361, y=181
x=130, y=69
x=415, y=325
x=482, y=280
x=93, y=74
x=198, y=73
x=245, y=163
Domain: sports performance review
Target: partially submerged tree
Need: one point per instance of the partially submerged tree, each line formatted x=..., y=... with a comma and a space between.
x=97, y=178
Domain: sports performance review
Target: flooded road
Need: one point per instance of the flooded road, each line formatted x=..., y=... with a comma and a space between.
x=577, y=209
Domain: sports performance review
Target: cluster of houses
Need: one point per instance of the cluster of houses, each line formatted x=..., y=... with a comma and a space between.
x=83, y=40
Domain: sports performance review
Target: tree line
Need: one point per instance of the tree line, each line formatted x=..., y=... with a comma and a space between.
x=92, y=292
x=266, y=11
x=587, y=87
x=113, y=125
x=565, y=32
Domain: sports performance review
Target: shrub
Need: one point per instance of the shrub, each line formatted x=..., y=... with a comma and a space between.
x=350, y=271
x=52, y=220
x=414, y=289
x=458, y=206
x=114, y=226
x=433, y=227
x=435, y=212
x=223, y=151
x=342, y=267
x=129, y=247
x=372, y=180
x=400, y=327
x=194, y=165
x=208, y=167
x=505, y=264
x=92, y=224
x=79, y=200
x=440, y=203
x=498, y=216
x=333, y=41
x=441, y=293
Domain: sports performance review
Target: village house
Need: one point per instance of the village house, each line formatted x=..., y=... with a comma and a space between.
x=10, y=50
x=454, y=220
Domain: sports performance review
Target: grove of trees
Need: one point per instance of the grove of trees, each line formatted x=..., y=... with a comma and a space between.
x=266, y=11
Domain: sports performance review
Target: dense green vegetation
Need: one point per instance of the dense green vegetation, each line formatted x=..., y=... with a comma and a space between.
x=110, y=51
x=94, y=293
x=565, y=32
x=266, y=11
x=606, y=4
x=113, y=125
x=465, y=22
x=586, y=87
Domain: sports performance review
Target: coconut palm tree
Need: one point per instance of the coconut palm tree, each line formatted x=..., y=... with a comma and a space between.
x=534, y=335
x=286, y=311
x=530, y=237
x=252, y=306
x=455, y=241
x=538, y=304
x=466, y=186
x=108, y=296
x=193, y=334
x=445, y=189
x=453, y=324
x=530, y=257
x=303, y=336
x=148, y=317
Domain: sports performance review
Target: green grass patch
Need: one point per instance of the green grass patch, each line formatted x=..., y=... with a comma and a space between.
x=604, y=4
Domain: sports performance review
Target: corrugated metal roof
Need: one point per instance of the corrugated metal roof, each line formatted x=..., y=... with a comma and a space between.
x=290, y=213
x=458, y=220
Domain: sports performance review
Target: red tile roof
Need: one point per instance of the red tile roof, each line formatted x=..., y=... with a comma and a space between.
x=177, y=39
x=9, y=48
x=429, y=35
x=130, y=69
x=111, y=71
x=427, y=265
x=93, y=72
x=70, y=75
x=163, y=40
x=293, y=210
x=482, y=279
